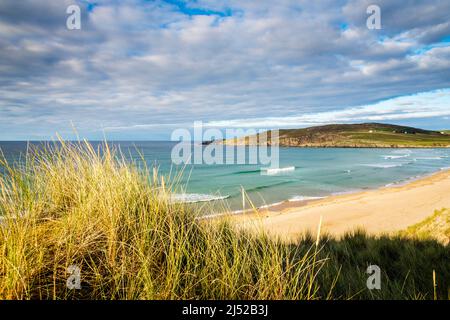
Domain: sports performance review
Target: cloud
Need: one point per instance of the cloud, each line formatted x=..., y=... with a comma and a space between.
x=148, y=65
x=423, y=105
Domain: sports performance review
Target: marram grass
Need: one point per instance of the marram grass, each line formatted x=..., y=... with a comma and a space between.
x=69, y=204
x=73, y=205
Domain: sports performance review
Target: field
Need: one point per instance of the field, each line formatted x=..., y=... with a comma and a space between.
x=397, y=139
x=77, y=208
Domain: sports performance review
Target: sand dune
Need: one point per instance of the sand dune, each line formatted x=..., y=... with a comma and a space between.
x=378, y=211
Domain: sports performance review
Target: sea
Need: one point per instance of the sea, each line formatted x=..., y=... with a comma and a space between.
x=306, y=173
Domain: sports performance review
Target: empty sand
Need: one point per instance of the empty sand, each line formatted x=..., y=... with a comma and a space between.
x=378, y=211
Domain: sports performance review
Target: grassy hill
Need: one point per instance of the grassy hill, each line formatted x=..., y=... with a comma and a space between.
x=363, y=135
x=436, y=227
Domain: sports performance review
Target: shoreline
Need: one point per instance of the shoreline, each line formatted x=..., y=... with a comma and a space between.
x=381, y=210
x=282, y=205
x=286, y=204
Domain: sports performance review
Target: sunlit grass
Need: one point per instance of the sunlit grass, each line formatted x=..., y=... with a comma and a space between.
x=436, y=227
x=73, y=205
x=70, y=204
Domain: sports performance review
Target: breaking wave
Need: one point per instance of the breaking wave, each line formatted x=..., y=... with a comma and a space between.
x=195, y=197
x=304, y=198
x=383, y=165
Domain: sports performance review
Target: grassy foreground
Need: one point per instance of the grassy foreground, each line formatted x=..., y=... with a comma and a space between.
x=72, y=205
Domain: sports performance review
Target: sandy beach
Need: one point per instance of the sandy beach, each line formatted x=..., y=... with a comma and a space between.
x=383, y=210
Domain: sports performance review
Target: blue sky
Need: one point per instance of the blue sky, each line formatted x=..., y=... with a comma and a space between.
x=141, y=69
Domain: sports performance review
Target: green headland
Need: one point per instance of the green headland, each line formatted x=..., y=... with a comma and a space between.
x=365, y=135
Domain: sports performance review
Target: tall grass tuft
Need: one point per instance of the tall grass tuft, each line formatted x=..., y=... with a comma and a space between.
x=69, y=204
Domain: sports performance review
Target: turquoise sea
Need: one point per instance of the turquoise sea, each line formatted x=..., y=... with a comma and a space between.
x=317, y=172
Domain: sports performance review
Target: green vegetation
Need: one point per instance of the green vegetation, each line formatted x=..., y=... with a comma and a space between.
x=435, y=227
x=73, y=205
x=375, y=135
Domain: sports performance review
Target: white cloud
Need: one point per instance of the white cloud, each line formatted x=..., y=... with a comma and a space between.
x=422, y=105
x=140, y=64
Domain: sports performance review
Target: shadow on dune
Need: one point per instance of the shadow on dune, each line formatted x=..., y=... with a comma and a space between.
x=406, y=265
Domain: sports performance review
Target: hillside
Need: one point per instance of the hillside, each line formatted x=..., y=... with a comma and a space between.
x=365, y=135
x=435, y=227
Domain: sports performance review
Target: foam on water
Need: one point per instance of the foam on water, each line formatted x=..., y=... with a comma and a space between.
x=195, y=197
x=271, y=205
x=429, y=158
x=304, y=198
x=274, y=171
x=383, y=165
x=395, y=157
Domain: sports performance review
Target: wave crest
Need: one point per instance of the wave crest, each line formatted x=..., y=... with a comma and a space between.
x=304, y=198
x=195, y=197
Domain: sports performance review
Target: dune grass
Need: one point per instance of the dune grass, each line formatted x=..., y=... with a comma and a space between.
x=72, y=205
x=436, y=227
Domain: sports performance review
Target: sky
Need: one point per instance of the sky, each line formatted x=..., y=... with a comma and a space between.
x=138, y=70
